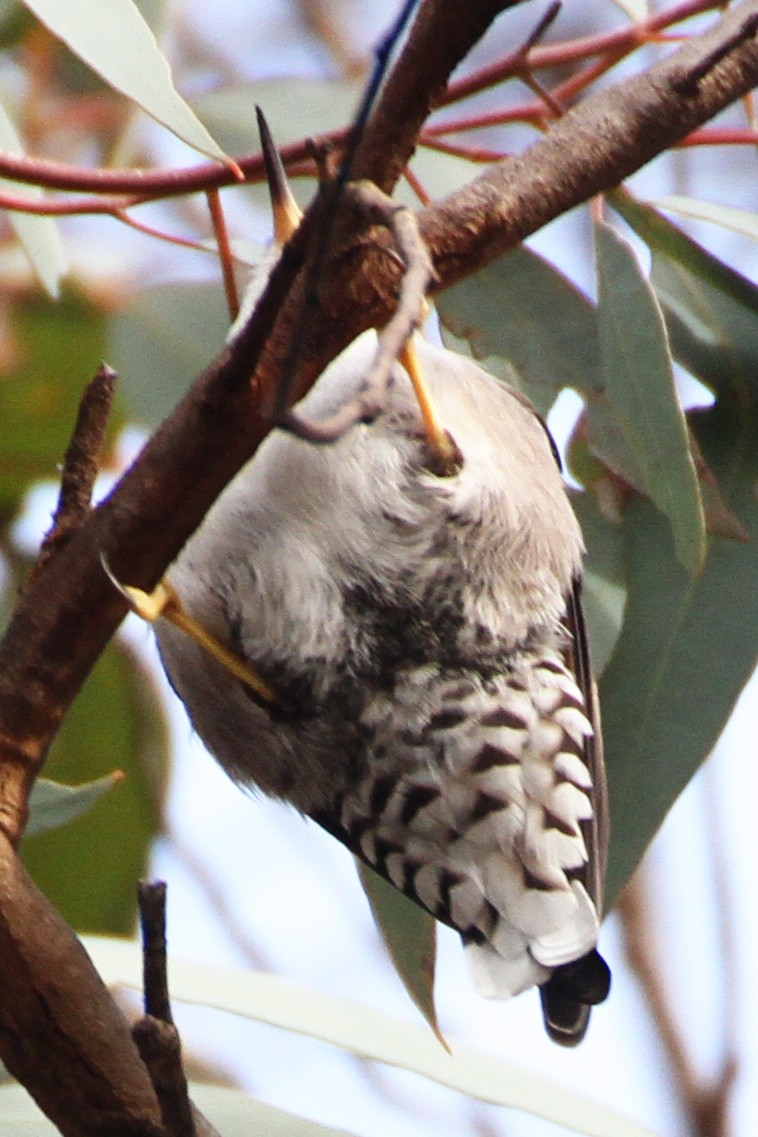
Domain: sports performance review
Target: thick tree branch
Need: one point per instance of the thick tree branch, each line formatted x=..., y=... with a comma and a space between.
x=596, y=145
x=439, y=39
x=61, y=1034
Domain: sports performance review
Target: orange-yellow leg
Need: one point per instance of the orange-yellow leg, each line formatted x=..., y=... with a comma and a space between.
x=163, y=602
x=447, y=458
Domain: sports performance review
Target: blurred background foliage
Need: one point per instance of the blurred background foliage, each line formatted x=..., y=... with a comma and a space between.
x=669, y=509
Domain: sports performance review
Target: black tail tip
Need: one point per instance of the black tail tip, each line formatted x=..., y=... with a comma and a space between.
x=569, y=994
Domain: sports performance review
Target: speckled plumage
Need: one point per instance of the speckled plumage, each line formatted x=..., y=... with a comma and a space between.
x=424, y=638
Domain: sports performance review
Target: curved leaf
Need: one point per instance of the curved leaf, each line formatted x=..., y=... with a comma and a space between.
x=741, y=221
x=116, y=42
x=687, y=648
x=640, y=393
x=38, y=235
x=711, y=311
x=233, y=1113
x=52, y=804
x=501, y=311
x=604, y=583
x=369, y=1033
x=410, y=937
x=161, y=341
x=55, y=348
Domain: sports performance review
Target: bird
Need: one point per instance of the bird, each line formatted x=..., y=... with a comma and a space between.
x=400, y=654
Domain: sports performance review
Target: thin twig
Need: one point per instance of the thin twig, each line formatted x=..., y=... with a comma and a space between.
x=80, y=462
x=155, y=1035
x=706, y=1104
x=225, y=255
x=378, y=209
x=152, y=910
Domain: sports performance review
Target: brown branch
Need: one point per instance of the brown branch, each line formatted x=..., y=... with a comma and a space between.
x=589, y=150
x=707, y=1105
x=594, y=147
x=441, y=36
x=80, y=462
x=58, y=1017
x=155, y=1035
x=152, y=909
x=142, y=185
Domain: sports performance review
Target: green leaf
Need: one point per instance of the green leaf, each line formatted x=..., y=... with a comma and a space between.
x=52, y=351
x=162, y=340
x=711, y=311
x=641, y=395
x=38, y=235
x=687, y=647
x=368, y=1033
x=410, y=937
x=522, y=310
x=740, y=221
x=233, y=1113
x=90, y=868
x=52, y=804
x=604, y=584
x=116, y=42
x=295, y=108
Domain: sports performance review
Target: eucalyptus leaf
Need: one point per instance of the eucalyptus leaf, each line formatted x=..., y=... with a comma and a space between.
x=604, y=582
x=523, y=310
x=641, y=395
x=687, y=648
x=711, y=311
x=742, y=221
x=410, y=937
x=52, y=351
x=117, y=43
x=233, y=1113
x=38, y=235
x=52, y=804
x=368, y=1033
x=295, y=108
x=162, y=340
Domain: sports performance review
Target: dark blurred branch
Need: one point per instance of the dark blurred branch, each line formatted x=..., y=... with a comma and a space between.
x=155, y=1034
x=706, y=1103
x=61, y=1034
x=441, y=36
x=80, y=462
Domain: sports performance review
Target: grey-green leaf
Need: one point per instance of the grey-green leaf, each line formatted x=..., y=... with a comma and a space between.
x=604, y=584
x=687, y=647
x=162, y=340
x=522, y=310
x=52, y=804
x=369, y=1033
x=410, y=938
x=115, y=41
x=37, y=234
x=641, y=395
x=233, y=1113
x=711, y=311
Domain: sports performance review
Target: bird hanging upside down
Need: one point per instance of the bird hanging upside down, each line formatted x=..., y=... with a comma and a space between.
x=411, y=661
